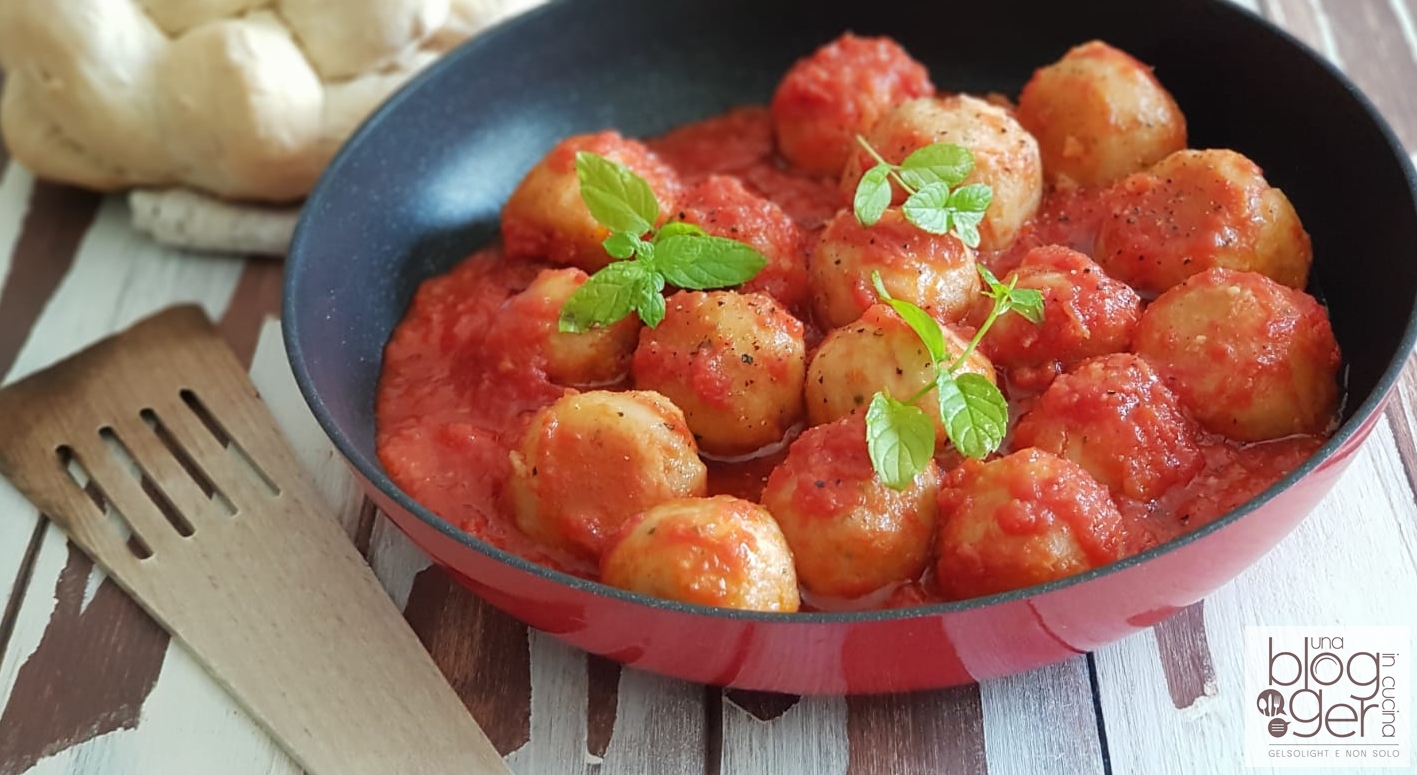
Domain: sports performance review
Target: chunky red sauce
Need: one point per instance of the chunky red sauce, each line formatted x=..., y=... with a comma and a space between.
x=457, y=392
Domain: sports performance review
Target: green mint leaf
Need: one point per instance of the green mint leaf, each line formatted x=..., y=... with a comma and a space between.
x=974, y=412
x=617, y=198
x=929, y=208
x=1027, y=302
x=873, y=195
x=621, y=244
x=651, y=307
x=973, y=198
x=900, y=439
x=702, y=263
x=609, y=295
x=645, y=252
x=990, y=280
x=677, y=229
x=938, y=163
x=966, y=226
x=924, y=326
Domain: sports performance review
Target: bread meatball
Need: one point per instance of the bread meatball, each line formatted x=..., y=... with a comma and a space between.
x=825, y=99
x=850, y=534
x=1195, y=210
x=878, y=352
x=1099, y=115
x=1085, y=313
x=935, y=272
x=1005, y=156
x=591, y=460
x=734, y=362
x=720, y=551
x=526, y=328
x=546, y=218
x=1113, y=416
x=721, y=206
x=1250, y=358
x=1027, y=518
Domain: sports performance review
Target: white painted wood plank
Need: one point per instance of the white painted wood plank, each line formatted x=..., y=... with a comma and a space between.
x=559, y=688
x=270, y=371
x=1330, y=43
x=15, y=188
x=659, y=728
x=809, y=739
x=1405, y=23
x=1351, y=562
x=1042, y=721
x=177, y=734
x=396, y=561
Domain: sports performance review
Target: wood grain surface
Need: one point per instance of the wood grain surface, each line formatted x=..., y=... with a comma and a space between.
x=88, y=686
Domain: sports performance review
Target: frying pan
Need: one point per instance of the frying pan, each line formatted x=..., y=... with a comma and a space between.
x=420, y=185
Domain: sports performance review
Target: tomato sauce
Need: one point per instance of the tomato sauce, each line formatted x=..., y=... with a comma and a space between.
x=452, y=400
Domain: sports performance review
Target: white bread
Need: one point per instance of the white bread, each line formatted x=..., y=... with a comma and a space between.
x=241, y=99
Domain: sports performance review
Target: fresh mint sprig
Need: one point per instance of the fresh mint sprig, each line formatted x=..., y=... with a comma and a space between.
x=929, y=176
x=899, y=435
x=678, y=254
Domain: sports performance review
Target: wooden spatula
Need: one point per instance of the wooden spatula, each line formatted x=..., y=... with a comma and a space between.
x=153, y=451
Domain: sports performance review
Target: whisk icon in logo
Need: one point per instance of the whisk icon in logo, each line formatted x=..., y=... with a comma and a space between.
x=1270, y=702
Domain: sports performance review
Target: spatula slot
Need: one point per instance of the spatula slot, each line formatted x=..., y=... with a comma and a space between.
x=218, y=431
x=193, y=469
x=78, y=473
x=120, y=451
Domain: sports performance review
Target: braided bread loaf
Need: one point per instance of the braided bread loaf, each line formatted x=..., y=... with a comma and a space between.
x=243, y=99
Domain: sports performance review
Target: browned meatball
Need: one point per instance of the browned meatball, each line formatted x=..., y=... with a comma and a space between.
x=1016, y=521
x=850, y=534
x=1085, y=313
x=734, y=362
x=591, y=460
x=879, y=352
x=1252, y=359
x=1200, y=209
x=1114, y=417
x=545, y=216
x=825, y=99
x=1100, y=115
x=526, y=327
x=1005, y=156
x=934, y=272
x=720, y=551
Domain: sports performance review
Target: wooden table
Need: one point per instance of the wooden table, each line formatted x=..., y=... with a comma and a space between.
x=88, y=684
